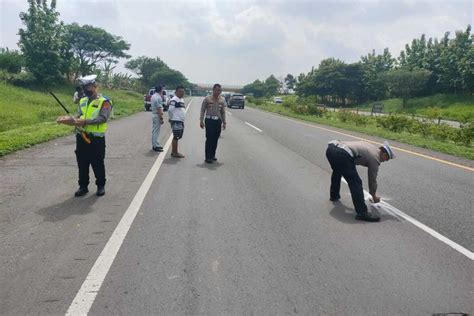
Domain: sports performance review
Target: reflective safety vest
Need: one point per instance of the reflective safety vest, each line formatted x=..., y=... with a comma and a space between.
x=90, y=111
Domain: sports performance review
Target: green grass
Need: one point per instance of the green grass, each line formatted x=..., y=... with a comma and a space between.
x=373, y=130
x=451, y=106
x=28, y=117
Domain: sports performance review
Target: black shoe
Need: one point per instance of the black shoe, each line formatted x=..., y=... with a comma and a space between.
x=215, y=159
x=334, y=199
x=159, y=149
x=100, y=191
x=368, y=217
x=209, y=161
x=81, y=192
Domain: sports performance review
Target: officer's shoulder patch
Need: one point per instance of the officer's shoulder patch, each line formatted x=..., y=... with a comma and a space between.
x=106, y=105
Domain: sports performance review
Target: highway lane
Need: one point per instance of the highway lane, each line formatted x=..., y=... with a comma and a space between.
x=253, y=234
x=256, y=234
x=437, y=194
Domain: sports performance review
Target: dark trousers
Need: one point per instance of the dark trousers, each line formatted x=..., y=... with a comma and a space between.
x=343, y=165
x=90, y=154
x=213, y=132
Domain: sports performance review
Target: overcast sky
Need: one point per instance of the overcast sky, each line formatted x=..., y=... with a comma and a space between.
x=236, y=42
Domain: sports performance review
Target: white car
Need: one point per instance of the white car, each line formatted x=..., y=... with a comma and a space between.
x=277, y=100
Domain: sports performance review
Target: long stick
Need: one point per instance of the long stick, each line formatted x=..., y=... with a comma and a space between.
x=83, y=133
x=60, y=103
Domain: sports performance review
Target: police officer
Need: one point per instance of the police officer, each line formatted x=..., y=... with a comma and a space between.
x=213, y=111
x=343, y=158
x=157, y=118
x=94, y=111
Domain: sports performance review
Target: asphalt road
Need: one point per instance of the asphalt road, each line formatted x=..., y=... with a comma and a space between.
x=253, y=233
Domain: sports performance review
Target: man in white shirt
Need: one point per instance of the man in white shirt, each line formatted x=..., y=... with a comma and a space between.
x=177, y=114
x=157, y=118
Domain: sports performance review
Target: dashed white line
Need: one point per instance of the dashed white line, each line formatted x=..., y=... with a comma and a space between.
x=87, y=293
x=258, y=129
x=230, y=113
x=382, y=205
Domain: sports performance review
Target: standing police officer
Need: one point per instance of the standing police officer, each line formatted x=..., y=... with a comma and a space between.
x=343, y=158
x=94, y=111
x=213, y=109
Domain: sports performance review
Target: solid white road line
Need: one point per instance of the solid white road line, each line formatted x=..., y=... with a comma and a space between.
x=382, y=205
x=258, y=129
x=91, y=286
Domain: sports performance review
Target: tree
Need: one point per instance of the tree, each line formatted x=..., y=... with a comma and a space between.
x=169, y=78
x=290, y=81
x=257, y=88
x=406, y=84
x=10, y=60
x=41, y=41
x=153, y=71
x=92, y=46
x=272, y=85
x=373, y=66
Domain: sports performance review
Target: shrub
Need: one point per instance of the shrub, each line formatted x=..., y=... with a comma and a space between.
x=360, y=120
x=344, y=115
x=394, y=123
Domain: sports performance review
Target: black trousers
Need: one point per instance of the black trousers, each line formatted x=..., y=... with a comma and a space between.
x=90, y=154
x=213, y=132
x=343, y=165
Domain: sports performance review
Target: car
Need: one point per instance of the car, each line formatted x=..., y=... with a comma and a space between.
x=236, y=100
x=277, y=100
x=147, y=99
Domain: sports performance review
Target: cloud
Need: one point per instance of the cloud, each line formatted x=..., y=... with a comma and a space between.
x=236, y=42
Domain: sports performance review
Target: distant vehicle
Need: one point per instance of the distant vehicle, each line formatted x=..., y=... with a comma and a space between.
x=165, y=101
x=147, y=99
x=236, y=100
x=226, y=96
x=277, y=100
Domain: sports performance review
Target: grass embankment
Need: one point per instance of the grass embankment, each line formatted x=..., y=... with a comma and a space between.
x=28, y=117
x=447, y=106
x=370, y=127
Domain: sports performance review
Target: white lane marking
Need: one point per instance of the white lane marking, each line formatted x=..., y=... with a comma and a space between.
x=382, y=205
x=228, y=112
x=87, y=293
x=258, y=129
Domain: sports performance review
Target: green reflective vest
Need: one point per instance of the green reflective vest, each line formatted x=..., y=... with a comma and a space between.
x=91, y=111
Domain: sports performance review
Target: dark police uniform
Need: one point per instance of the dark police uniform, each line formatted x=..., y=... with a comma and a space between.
x=213, y=116
x=343, y=158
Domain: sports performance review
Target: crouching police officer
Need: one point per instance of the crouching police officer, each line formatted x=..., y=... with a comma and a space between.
x=343, y=158
x=213, y=109
x=93, y=113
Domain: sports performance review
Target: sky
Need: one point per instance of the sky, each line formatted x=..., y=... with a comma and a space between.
x=235, y=42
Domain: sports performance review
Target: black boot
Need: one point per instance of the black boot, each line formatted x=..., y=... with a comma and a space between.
x=82, y=191
x=368, y=217
x=100, y=191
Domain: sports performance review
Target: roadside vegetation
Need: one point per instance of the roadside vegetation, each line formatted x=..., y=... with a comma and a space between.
x=51, y=56
x=432, y=79
x=426, y=133
x=28, y=117
x=444, y=106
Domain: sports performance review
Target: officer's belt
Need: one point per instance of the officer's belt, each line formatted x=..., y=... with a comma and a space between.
x=213, y=117
x=94, y=134
x=342, y=146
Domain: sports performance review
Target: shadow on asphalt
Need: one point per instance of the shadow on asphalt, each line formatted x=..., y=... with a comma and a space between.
x=346, y=214
x=152, y=153
x=72, y=206
x=210, y=166
x=171, y=160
